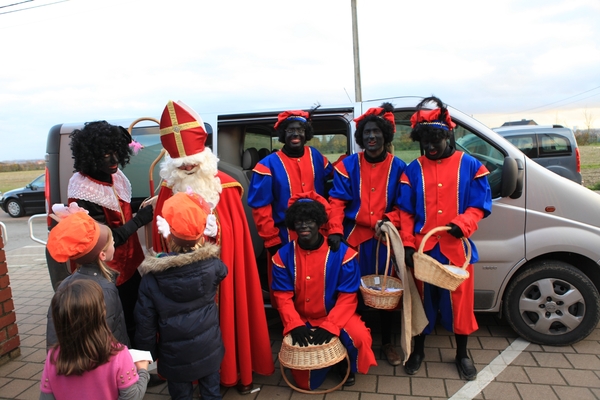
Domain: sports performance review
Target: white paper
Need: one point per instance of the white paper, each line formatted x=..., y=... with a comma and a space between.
x=140, y=355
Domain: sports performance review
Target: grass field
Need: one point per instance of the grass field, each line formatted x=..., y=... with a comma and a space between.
x=590, y=166
x=590, y=169
x=17, y=179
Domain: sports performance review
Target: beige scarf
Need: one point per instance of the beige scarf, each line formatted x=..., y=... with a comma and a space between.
x=413, y=315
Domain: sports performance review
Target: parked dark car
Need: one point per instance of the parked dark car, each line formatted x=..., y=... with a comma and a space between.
x=26, y=200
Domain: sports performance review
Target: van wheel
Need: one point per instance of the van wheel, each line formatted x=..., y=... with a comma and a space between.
x=14, y=209
x=552, y=303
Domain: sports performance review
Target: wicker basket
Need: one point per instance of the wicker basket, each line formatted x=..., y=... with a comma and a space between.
x=379, y=298
x=428, y=269
x=313, y=356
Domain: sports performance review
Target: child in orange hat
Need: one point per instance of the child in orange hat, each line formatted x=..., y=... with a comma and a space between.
x=79, y=238
x=176, y=301
x=88, y=362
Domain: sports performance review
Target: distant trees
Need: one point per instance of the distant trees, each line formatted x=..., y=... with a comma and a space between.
x=22, y=166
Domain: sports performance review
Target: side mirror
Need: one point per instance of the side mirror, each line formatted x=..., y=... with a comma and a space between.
x=520, y=177
x=510, y=174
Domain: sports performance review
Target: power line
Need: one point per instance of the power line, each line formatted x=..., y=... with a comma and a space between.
x=29, y=8
x=16, y=4
x=567, y=98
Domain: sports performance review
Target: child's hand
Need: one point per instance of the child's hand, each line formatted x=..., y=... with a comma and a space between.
x=142, y=364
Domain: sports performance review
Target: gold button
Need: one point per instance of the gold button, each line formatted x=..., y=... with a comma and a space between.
x=307, y=300
x=439, y=237
x=439, y=184
x=372, y=189
x=308, y=278
x=439, y=211
x=439, y=161
x=298, y=160
x=302, y=183
x=372, y=212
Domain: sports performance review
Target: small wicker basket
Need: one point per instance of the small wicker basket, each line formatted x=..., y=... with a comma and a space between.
x=428, y=269
x=380, y=298
x=313, y=356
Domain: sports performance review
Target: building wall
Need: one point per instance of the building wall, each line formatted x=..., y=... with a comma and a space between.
x=9, y=333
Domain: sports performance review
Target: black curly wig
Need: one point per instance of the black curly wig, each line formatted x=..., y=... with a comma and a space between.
x=386, y=127
x=308, y=129
x=303, y=210
x=90, y=144
x=432, y=133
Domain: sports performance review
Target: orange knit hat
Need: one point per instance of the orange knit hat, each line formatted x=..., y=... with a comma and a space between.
x=77, y=237
x=186, y=215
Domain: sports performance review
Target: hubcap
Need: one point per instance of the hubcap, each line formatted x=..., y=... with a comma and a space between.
x=14, y=208
x=552, y=307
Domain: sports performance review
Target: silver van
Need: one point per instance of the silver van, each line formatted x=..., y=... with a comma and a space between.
x=552, y=146
x=539, y=254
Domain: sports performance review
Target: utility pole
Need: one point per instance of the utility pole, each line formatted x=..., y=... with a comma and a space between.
x=357, y=87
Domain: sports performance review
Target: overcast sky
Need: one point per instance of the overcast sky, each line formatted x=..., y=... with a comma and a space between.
x=85, y=60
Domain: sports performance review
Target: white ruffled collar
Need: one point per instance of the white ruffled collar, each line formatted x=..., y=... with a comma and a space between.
x=82, y=187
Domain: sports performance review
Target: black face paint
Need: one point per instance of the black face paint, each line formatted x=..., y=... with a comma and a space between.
x=308, y=232
x=373, y=140
x=434, y=149
x=295, y=136
x=109, y=163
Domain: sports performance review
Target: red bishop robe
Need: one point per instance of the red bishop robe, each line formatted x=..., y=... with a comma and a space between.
x=241, y=308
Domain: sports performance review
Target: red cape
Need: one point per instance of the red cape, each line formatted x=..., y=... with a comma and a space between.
x=241, y=308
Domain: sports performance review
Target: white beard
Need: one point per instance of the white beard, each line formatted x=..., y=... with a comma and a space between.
x=202, y=179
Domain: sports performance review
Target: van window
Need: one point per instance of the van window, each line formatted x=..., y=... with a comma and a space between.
x=553, y=145
x=526, y=143
x=404, y=148
x=257, y=140
x=466, y=141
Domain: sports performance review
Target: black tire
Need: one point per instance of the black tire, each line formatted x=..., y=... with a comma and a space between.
x=14, y=208
x=552, y=303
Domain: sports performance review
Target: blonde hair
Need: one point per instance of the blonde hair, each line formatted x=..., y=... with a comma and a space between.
x=107, y=271
x=84, y=339
x=176, y=245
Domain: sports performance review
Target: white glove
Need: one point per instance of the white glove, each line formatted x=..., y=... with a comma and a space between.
x=62, y=211
x=211, y=229
x=163, y=226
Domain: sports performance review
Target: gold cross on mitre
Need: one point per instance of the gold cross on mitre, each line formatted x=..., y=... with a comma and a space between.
x=176, y=128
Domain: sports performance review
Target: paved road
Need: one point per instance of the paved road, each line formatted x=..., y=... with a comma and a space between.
x=509, y=367
x=17, y=230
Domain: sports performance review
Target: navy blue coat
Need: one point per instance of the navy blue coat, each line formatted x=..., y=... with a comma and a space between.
x=176, y=316
x=115, y=318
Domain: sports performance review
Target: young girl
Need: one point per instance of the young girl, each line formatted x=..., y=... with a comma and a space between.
x=90, y=245
x=177, y=301
x=88, y=362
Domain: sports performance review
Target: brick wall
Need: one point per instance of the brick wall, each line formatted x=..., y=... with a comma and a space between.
x=9, y=334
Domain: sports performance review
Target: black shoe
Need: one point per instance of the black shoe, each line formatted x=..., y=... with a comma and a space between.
x=244, y=389
x=342, y=369
x=351, y=379
x=466, y=368
x=155, y=380
x=413, y=363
